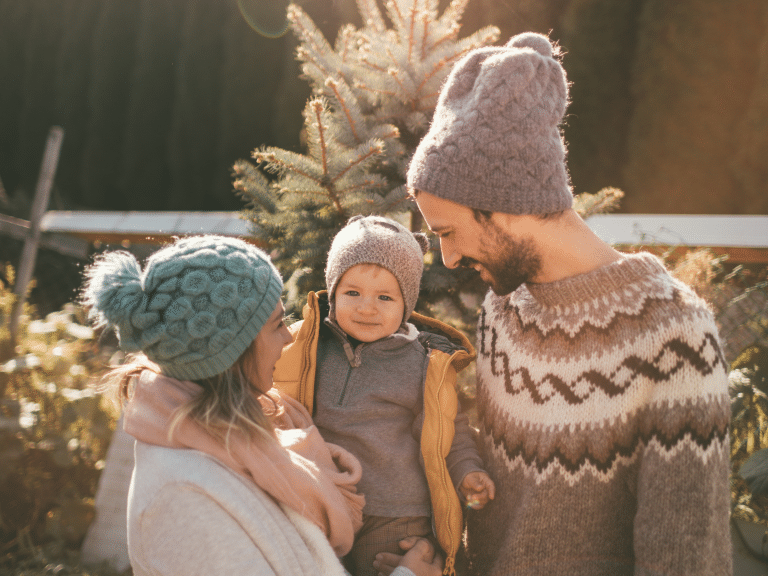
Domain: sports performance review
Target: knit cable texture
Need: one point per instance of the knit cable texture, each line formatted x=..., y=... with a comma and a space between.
x=196, y=307
x=494, y=142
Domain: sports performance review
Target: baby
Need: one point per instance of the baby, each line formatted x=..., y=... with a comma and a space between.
x=382, y=385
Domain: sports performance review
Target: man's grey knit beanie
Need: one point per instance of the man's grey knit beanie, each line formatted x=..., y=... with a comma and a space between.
x=196, y=307
x=494, y=142
x=384, y=242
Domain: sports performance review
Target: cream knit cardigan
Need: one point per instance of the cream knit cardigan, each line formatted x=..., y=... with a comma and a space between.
x=189, y=514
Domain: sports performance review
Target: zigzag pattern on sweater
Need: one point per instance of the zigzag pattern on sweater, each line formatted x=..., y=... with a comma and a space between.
x=702, y=438
x=636, y=366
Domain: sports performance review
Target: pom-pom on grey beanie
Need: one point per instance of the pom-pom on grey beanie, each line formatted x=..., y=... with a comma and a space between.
x=495, y=142
x=194, y=309
x=384, y=242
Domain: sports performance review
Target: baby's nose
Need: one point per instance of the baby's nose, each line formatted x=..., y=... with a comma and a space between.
x=367, y=306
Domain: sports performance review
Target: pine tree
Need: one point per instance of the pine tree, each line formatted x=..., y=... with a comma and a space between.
x=374, y=93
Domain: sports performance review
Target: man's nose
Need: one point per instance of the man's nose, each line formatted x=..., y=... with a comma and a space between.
x=450, y=256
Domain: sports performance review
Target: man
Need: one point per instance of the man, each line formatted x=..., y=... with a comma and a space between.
x=601, y=385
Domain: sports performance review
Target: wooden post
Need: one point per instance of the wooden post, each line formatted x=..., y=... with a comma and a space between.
x=39, y=206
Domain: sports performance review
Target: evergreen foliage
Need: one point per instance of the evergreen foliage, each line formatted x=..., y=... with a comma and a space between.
x=374, y=92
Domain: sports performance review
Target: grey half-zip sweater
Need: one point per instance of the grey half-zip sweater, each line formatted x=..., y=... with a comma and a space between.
x=369, y=399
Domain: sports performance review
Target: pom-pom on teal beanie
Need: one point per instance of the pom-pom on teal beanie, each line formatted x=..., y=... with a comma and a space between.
x=194, y=309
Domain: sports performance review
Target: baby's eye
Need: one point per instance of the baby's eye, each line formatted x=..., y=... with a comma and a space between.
x=351, y=293
x=385, y=298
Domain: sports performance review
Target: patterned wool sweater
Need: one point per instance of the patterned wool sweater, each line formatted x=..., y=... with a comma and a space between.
x=604, y=415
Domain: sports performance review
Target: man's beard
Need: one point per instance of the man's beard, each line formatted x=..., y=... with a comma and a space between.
x=510, y=262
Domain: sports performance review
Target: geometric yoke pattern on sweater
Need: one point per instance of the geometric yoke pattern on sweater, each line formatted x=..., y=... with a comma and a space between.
x=705, y=358
x=604, y=406
x=688, y=422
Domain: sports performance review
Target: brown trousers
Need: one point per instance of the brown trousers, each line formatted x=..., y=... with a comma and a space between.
x=380, y=534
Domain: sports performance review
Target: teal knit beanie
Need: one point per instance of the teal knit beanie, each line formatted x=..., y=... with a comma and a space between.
x=196, y=307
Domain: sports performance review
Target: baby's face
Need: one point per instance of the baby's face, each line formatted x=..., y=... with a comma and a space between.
x=369, y=305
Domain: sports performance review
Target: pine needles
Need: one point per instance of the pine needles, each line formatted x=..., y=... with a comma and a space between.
x=374, y=92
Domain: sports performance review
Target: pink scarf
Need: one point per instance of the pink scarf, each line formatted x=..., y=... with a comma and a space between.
x=314, y=478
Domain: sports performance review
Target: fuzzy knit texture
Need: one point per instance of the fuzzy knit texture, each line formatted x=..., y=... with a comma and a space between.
x=495, y=142
x=384, y=242
x=194, y=309
x=299, y=470
x=604, y=416
x=190, y=514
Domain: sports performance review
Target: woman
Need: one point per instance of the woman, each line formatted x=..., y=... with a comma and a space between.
x=230, y=477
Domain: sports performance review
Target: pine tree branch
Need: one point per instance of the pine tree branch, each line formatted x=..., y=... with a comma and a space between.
x=453, y=30
x=439, y=67
x=372, y=65
x=454, y=12
x=314, y=49
x=411, y=35
x=345, y=42
x=333, y=85
x=395, y=74
x=367, y=184
x=371, y=15
x=395, y=15
x=374, y=151
x=282, y=161
x=307, y=32
x=317, y=108
x=367, y=88
x=326, y=181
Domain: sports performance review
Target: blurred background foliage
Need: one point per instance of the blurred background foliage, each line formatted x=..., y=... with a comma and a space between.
x=158, y=98
x=55, y=427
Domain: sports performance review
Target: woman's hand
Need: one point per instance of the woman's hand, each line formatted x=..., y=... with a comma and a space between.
x=420, y=558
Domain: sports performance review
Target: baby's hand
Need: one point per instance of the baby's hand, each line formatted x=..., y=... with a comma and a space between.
x=477, y=488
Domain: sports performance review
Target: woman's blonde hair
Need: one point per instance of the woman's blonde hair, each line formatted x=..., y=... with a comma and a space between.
x=227, y=402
